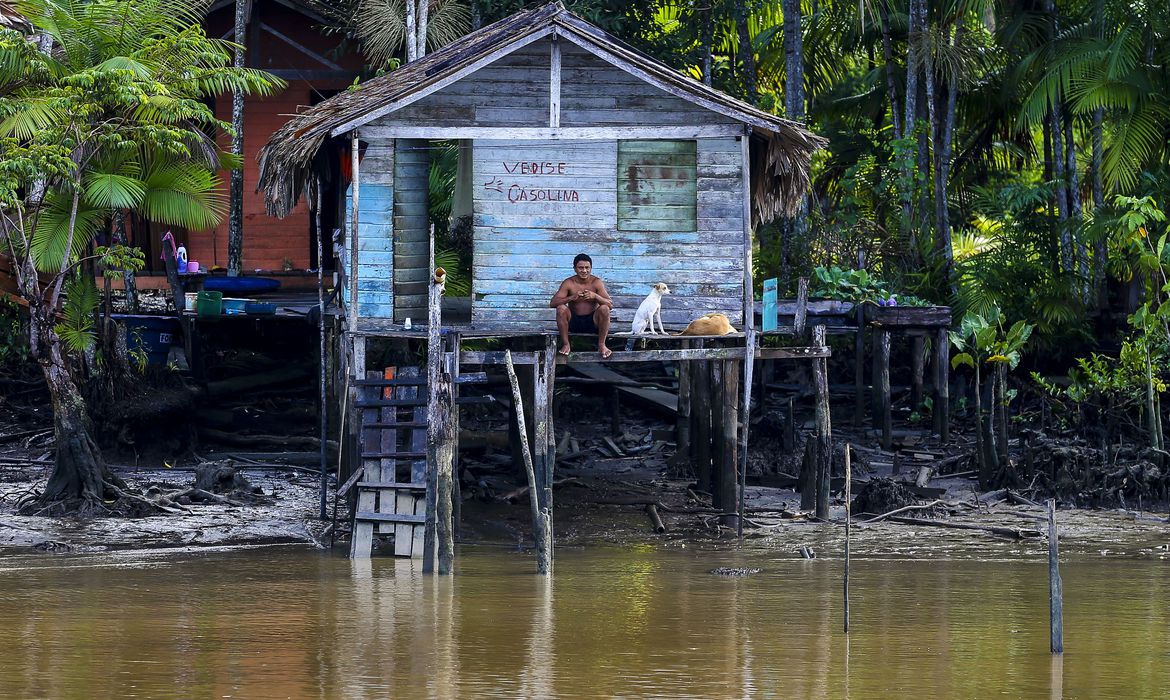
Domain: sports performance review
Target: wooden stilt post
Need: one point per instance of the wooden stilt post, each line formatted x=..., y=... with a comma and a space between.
x=745, y=420
x=942, y=389
x=1055, y=587
x=549, y=370
x=322, y=397
x=824, y=433
x=438, y=533
x=917, y=363
x=456, y=489
x=809, y=476
x=539, y=524
x=859, y=368
x=728, y=452
x=701, y=412
x=881, y=386
x=682, y=431
x=715, y=469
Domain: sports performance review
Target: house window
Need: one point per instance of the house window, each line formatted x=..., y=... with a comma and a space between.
x=656, y=186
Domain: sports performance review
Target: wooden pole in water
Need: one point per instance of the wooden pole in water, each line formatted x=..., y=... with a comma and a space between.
x=728, y=453
x=543, y=555
x=322, y=414
x=881, y=386
x=701, y=413
x=824, y=431
x=942, y=389
x=1055, y=589
x=682, y=431
x=550, y=461
x=437, y=531
x=848, y=518
x=745, y=417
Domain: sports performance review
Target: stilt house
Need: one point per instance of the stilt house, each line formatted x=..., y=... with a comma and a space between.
x=569, y=141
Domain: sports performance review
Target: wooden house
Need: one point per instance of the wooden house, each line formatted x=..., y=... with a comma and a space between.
x=569, y=141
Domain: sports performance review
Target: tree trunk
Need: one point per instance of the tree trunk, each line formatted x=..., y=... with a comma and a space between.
x=1073, y=184
x=794, y=100
x=707, y=41
x=411, y=32
x=1056, y=117
x=1100, y=254
x=128, y=277
x=80, y=479
x=888, y=56
x=942, y=242
x=424, y=7
x=236, y=214
x=913, y=49
x=1001, y=413
x=932, y=130
x=747, y=57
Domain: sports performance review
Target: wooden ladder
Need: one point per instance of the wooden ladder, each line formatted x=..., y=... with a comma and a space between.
x=391, y=491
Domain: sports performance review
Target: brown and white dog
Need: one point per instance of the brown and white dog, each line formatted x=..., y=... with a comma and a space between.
x=650, y=308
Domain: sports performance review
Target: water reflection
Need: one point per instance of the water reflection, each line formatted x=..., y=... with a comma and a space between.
x=611, y=622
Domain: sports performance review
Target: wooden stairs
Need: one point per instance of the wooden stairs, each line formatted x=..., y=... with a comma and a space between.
x=392, y=489
x=391, y=481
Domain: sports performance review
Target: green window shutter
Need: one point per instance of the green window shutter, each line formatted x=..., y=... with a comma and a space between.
x=656, y=186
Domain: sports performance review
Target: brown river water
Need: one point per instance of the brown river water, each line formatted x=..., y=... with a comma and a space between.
x=639, y=621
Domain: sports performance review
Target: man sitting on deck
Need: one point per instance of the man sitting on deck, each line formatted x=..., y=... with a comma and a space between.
x=583, y=306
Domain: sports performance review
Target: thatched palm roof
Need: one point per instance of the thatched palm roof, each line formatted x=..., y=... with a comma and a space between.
x=780, y=169
x=11, y=19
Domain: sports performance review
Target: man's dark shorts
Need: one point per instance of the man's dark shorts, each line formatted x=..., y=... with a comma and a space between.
x=582, y=324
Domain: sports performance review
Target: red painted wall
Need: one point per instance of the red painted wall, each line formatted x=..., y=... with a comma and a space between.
x=268, y=241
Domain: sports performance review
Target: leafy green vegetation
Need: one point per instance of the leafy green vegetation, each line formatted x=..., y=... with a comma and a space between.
x=107, y=108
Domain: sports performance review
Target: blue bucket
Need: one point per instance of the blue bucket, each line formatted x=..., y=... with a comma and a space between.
x=153, y=334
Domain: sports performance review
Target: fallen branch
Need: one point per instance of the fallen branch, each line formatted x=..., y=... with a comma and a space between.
x=652, y=511
x=993, y=529
x=514, y=494
x=1021, y=500
x=903, y=509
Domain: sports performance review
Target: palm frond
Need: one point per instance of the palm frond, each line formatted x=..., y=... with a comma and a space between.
x=76, y=327
x=182, y=195
x=52, y=232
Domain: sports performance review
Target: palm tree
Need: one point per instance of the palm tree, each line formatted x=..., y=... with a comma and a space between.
x=112, y=116
x=387, y=27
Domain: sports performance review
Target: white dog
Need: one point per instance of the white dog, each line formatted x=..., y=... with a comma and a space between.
x=650, y=309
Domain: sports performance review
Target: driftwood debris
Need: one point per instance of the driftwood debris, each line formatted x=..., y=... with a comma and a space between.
x=1014, y=533
x=541, y=523
x=652, y=511
x=514, y=494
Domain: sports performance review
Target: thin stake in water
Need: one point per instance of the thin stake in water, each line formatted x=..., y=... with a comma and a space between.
x=1055, y=589
x=848, y=496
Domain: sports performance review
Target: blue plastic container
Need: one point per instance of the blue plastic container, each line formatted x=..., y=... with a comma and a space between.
x=154, y=334
x=240, y=285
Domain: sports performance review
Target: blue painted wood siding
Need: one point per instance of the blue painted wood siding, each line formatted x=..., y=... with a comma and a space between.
x=538, y=204
x=375, y=232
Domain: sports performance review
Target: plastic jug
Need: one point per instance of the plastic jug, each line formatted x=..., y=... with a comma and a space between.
x=181, y=258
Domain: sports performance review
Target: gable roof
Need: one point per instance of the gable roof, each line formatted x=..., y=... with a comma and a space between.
x=780, y=169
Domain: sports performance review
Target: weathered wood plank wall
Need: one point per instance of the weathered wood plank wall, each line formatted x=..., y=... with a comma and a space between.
x=539, y=203
x=524, y=248
x=376, y=232
x=411, y=228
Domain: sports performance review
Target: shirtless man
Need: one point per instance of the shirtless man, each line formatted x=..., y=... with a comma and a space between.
x=583, y=306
